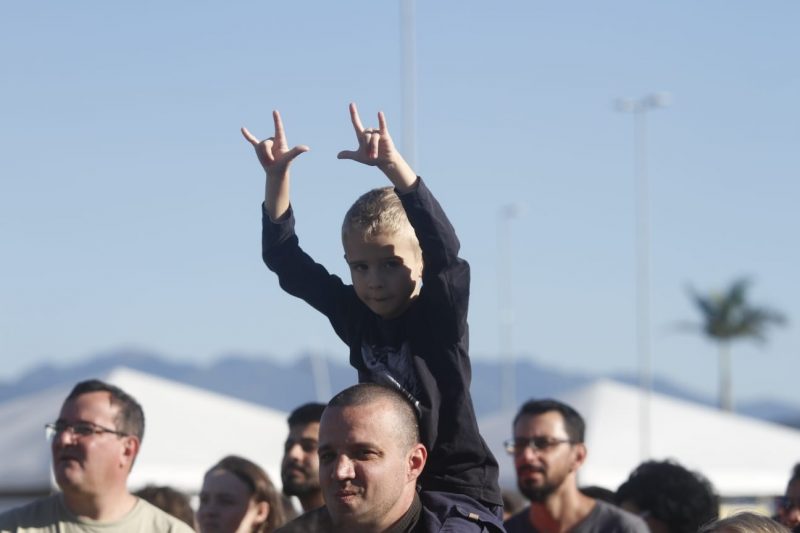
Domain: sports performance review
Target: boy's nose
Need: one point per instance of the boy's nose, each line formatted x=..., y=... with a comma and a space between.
x=375, y=280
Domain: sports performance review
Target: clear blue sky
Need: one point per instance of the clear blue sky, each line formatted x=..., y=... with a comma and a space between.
x=129, y=203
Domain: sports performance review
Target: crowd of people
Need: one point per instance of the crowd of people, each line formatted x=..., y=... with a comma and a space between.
x=400, y=451
x=356, y=465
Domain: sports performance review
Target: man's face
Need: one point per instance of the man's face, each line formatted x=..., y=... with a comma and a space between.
x=91, y=463
x=540, y=473
x=386, y=271
x=300, y=466
x=368, y=479
x=789, y=511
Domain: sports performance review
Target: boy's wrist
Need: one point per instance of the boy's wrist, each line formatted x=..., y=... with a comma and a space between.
x=277, y=176
x=400, y=174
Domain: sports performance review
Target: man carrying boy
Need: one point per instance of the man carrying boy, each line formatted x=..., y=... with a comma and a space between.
x=405, y=316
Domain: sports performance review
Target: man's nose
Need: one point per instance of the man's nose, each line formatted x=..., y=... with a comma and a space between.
x=344, y=468
x=65, y=437
x=294, y=452
x=528, y=454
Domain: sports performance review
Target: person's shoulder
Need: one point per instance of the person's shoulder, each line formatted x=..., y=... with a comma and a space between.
x=157, y=520
x=38, y=515
x=316, y=521
x=612, y=518
x=519, y=523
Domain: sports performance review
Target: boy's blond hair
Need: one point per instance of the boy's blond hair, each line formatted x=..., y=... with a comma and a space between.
x=378, y=212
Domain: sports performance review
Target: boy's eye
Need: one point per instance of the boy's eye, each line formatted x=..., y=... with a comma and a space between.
x=393, y=263
x=358, y=267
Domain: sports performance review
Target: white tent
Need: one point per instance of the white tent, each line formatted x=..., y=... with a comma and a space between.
x=741, y=456
x=186, y=431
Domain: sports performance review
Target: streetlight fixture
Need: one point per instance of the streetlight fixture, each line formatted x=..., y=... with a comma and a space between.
x=639, y=108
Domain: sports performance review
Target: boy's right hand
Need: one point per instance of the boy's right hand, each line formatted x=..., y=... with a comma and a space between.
x=275, y=156
x=274, y=153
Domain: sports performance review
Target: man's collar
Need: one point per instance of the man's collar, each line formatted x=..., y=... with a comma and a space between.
x=409, y=520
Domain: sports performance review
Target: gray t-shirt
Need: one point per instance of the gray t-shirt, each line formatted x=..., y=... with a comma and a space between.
x=604, y=518
x=50, y=515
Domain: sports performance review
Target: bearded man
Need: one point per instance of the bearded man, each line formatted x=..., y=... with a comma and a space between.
x=300, y=465
x=548, y=449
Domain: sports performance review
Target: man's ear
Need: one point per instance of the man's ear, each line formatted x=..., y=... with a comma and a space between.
x=417, y=457
x=130, y=450
x=580, y=452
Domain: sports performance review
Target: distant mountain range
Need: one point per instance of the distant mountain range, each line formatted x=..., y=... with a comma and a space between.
x=265, y=381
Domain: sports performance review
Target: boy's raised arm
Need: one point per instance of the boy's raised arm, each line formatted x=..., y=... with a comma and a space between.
x=275, y=156
x=376, y=148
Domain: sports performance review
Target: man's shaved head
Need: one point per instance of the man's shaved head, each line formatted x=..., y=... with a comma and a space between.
x=369, y=393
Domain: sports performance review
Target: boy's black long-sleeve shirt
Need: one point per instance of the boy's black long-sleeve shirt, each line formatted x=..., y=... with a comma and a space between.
x=424, y=351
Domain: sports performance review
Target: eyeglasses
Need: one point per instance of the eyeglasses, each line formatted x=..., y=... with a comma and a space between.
x=541, y=444
x=78, y=429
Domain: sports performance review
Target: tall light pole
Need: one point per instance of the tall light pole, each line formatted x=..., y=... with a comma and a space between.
x=639, y=108
x=409, y=75
x=505, y=308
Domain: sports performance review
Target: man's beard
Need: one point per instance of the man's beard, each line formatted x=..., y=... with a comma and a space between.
x=539, y=493
x=299, y=488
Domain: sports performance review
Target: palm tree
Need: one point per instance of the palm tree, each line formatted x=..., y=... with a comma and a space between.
x=727, y=317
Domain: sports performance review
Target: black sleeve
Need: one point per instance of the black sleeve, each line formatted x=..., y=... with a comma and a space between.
x=445, y=276
x=300, y=276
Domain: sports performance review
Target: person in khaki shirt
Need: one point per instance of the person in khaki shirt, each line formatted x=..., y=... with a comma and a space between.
x=94, y=443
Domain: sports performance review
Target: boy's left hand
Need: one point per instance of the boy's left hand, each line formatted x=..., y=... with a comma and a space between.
x=375, y=145
x=376, y=148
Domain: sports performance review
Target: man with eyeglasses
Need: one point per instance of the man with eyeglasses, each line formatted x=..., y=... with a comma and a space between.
x=300, y=465
x=548, y=449
x=94, y=443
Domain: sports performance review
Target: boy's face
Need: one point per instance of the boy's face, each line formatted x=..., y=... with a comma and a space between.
x=386, y=271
